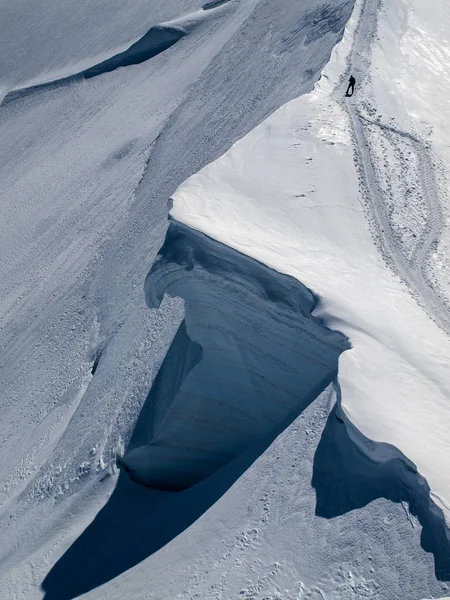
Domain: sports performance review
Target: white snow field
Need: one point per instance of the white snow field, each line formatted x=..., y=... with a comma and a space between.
x=253, y=402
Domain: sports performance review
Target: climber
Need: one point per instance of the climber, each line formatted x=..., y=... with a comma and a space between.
x=351, y=86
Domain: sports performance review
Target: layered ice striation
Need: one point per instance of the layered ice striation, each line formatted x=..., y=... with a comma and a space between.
x=248, y=356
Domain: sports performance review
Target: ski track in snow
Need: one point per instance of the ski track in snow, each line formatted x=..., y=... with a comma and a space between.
x=406, y=215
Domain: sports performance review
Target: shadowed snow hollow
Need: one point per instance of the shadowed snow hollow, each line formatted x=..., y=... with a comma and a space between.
x=248, y=356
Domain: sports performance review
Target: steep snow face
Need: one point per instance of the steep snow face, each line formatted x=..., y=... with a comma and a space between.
x=248, y=357
x=288, y=195
x=87, y=169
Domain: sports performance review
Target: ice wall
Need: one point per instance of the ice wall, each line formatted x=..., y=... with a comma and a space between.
x=248, y=356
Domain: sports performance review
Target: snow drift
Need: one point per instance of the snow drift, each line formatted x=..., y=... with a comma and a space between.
x=155, y=41
x=87, y=170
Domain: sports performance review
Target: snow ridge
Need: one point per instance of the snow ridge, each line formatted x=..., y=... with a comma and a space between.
x=202, y=412
x=243, y=201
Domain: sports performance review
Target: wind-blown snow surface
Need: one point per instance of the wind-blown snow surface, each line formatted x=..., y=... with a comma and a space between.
x=87, y=167
x=250, y=354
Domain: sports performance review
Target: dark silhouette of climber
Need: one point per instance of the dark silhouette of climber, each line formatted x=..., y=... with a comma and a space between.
x=351, y=86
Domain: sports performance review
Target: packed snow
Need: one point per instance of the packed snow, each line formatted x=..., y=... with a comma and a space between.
x=308, y=235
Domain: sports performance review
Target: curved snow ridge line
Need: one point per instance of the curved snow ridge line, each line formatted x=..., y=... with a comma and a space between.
x=158, y=39
x=248, y=357
x=154, y=42
x=403, y=483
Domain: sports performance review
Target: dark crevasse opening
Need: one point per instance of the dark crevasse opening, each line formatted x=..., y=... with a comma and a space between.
x=248, y=356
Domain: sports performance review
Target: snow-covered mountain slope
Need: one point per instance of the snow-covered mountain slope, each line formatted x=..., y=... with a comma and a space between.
x=262, y=539
x=87, y=168
x=90, y=373
x=288, y=195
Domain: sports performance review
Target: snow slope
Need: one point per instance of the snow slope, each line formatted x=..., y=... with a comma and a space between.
x=288, y=194
x=90, y=373
x=87, y=167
